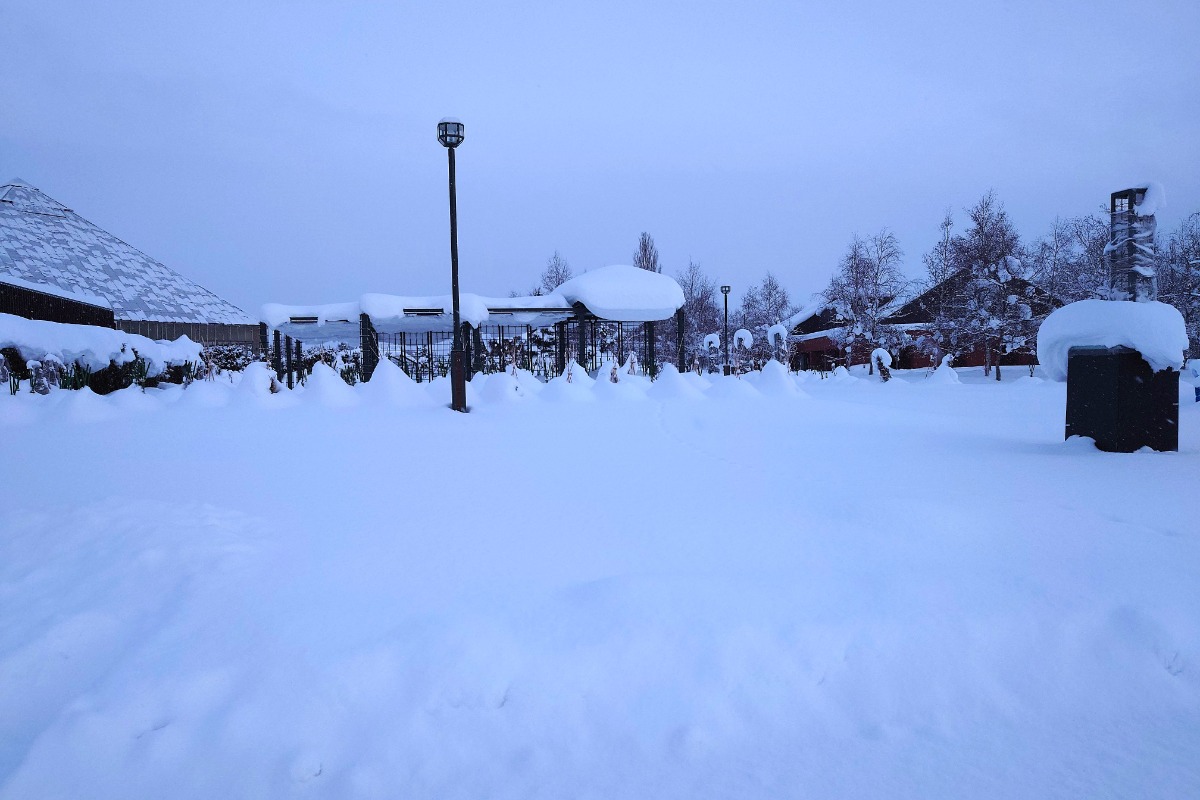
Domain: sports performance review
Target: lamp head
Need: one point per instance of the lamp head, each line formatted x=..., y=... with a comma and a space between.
x=724, y=290
x=451, y=132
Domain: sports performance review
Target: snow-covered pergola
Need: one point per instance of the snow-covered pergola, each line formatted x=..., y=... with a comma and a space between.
x=618, y=294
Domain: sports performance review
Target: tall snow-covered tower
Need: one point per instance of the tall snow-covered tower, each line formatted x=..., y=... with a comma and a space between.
x=1130, y=247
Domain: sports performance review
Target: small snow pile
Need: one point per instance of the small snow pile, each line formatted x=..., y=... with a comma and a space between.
x=842, y=375
x=881, y=356
x=626, y=387
x=91, y=346
x=576, y=390
x=713, y=341
x=744, y=338
x=329, y=388
x=529, y=382
x=391, y=385
x=206, y=393
x=501, y=387
x=1156, y=330
x=624, y=294
x=775, y=381
x=258, y=382
x=670, y=385
x=945, y=373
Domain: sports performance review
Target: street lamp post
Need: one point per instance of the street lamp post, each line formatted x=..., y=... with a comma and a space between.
x=451, y=133
x=725, y=291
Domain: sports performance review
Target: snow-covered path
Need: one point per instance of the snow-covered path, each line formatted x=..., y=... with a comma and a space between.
x=902, y=590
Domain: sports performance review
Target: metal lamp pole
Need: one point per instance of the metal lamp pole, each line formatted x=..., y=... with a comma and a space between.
x=725, y=291
x=451, y=133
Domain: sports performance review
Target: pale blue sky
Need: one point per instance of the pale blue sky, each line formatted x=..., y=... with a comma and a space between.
x=285, y=151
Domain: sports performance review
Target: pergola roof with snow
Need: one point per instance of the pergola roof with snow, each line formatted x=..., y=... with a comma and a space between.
x=617, y=293
x=47, y=247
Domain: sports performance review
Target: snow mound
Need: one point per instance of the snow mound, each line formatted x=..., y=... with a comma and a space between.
x=624, y=294
x=256, y=381
x=391, y=385
x=558, y=390
x=775, y=380
x=945, y=373
x=501, y=387
x=744, y=338
x=577, y=390
x=732, y=388
x=842, y=375
x=529, y=382
x=328, y=387
x=628, y=387
x=879, y=354
x=670, y=385
x=1156, y=330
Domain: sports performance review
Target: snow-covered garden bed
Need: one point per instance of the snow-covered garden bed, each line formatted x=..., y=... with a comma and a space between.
x=757, y=587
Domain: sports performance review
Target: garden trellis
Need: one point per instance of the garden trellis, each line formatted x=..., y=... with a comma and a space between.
x=604, y=315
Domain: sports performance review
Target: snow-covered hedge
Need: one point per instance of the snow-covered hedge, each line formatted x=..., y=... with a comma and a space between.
x=91, y=346
x=1156, y=330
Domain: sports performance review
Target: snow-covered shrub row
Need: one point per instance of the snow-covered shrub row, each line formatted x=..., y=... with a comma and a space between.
x=88, y=348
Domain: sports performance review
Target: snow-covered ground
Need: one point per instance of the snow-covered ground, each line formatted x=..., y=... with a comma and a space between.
x=762, y=588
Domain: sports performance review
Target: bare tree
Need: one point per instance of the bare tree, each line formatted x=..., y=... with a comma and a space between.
x=1179, y=277
x=996, y=310
x=701, y=314
x=1069, y=262
x=556, y=273
x=863, y=291
x=941, y=295
x=646, y=255
x=763, y=305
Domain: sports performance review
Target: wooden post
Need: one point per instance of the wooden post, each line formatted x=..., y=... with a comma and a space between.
x=582, y=345
x=299, y=361
x=680, y=321
x=287, y=360
x=468, y=346
x=480, y=356
x=560, y=347
x=368, y=339
x=651, y=364
x=276, y=358
x=264, y=346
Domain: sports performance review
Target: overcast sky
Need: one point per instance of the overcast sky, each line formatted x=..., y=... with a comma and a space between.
x=285, y=151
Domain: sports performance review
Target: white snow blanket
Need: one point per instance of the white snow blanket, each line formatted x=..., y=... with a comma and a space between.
x=92, y=346
x=1156, y=330
x=220, y=592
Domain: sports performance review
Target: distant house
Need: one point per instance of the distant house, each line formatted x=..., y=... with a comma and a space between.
x=814, y=330
x=55, y=265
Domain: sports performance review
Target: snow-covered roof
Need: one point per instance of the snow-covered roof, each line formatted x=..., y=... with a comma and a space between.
x=616, y=293
x=624, y=294
x=46, y=246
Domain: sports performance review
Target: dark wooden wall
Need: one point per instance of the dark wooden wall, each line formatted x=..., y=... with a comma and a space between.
x=30, y=304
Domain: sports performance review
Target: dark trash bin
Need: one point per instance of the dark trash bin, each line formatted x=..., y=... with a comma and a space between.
x=1114, y=397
